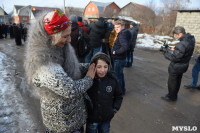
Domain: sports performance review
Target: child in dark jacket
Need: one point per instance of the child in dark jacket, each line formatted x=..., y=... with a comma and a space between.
x=106, y=96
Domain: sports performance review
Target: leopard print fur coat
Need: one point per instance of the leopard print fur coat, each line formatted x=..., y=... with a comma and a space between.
x=55, y=76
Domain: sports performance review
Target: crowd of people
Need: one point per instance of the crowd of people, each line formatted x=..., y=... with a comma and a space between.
x=75, y=88
x=16, y=31
x=101, y=36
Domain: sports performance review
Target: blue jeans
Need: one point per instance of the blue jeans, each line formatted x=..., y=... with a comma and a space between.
x=92, y=52
x=195, y=74
x=103, y=127
x=119, y=70
x=129, y=59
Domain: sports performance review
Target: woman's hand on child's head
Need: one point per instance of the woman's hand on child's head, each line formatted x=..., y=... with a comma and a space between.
x=91, y=71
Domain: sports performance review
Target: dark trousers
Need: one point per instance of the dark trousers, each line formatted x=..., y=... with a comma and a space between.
x=129, y=59
x=174, y=83
x=101, y=127
x=18, y=41
x=119, y=70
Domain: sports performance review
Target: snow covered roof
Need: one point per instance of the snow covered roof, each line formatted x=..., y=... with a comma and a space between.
x=128, y=19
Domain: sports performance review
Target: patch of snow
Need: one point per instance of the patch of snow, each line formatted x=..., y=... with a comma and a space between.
x=128, y=19
x=153, y=42
x=14, y=116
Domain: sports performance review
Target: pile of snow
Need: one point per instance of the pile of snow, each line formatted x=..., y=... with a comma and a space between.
x=153, y=42
x=128, y=19
x=14, y=116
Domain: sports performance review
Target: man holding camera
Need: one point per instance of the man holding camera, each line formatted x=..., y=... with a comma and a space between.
x=179, y=58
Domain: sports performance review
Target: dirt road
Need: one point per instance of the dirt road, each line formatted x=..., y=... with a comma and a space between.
x=142, y=110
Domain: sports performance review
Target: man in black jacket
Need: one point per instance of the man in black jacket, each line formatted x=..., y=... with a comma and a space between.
x=119, y=51
x=96, y=33
x=180, y=58
x=134, y=32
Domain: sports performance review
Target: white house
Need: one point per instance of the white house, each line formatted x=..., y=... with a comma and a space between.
x=4, y=17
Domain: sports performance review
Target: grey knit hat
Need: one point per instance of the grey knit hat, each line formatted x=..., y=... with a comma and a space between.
x=73, y=18
x=102, y=56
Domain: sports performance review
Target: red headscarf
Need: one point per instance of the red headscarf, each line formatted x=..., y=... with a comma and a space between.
x=59, y=22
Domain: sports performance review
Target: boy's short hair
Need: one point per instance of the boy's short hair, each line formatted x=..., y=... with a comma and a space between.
x=178, y=29
x=119, y=22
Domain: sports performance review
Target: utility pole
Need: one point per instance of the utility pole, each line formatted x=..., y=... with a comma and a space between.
x=64, y=6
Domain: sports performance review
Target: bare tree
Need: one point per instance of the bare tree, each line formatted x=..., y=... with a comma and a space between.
x=168, y=13
x=151, y=4
x=75, y=11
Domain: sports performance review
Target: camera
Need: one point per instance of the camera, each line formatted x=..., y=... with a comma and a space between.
x=164, y=47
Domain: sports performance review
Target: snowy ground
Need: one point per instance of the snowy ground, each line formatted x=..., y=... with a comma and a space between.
x=14, y=117
x=153, y=42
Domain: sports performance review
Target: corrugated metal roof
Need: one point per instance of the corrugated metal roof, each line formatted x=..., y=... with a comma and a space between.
x=191, y=10
x=17, y=7
x=101, y=6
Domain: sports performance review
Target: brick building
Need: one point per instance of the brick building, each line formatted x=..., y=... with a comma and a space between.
x=98, y=9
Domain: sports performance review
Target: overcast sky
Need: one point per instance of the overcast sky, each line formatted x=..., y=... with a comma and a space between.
x=8, y=4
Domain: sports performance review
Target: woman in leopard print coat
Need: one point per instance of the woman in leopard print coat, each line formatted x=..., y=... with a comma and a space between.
x=54, y=72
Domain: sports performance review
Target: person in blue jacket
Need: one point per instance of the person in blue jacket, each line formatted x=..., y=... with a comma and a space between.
x=195, y=75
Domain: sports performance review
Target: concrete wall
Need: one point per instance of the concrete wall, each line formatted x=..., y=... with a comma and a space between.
x=191, y=22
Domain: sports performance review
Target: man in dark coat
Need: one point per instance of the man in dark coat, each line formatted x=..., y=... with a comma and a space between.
x=119, y=51
x=180, y=58
x=96, y=34
x=134, y=32
x=75, y=34
x=17, y=34
x=11, y=31
x=1, y=31
x=80, y=24
x=5, y=30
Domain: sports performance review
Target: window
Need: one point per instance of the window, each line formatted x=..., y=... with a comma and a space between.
x=88, y=9
x=24, y=18
x=115, y=11
x=1, y=20
x=93, y=9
